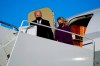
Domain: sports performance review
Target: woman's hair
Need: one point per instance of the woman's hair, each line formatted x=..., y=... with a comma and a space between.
x=60, y=18
x=63, y=19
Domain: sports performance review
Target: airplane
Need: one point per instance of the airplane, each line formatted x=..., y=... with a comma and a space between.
x=21, y=47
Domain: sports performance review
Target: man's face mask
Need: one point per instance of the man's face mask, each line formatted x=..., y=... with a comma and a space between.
x=38, y=18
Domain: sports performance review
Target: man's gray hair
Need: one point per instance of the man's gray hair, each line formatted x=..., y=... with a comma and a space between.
x=37, y=11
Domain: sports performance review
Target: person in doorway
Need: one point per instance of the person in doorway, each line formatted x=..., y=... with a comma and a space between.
x=63, y=36
x=41, y=30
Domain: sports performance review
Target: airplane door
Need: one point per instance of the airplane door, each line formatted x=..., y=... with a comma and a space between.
x=79, y=25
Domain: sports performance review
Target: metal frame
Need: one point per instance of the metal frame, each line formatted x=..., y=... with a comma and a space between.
x=12, y=26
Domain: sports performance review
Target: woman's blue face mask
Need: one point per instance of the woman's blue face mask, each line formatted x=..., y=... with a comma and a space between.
x=60, y=25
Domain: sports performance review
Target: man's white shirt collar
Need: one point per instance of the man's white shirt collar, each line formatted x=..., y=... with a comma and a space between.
x=39, y=22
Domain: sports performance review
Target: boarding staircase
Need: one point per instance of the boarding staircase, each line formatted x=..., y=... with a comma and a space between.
x=8, y=35
x=31, y=50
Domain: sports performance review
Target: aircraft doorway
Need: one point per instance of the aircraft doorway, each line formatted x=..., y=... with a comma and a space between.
x=78, y=25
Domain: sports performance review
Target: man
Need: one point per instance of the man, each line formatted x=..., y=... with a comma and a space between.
x=41, y=30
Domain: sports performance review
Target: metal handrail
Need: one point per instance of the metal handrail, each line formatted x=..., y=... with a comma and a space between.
x=1, y=22
x=92, y=41
x=55, y=29
x=87, y=43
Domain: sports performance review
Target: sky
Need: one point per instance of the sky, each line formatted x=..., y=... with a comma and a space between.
x=14, y=11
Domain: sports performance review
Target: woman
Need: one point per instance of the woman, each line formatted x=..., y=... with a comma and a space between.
x=63, y=36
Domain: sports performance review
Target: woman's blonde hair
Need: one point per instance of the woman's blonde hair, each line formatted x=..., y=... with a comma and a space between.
x=63, y=19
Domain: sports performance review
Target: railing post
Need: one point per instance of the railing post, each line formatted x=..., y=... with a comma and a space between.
x=94, y=53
